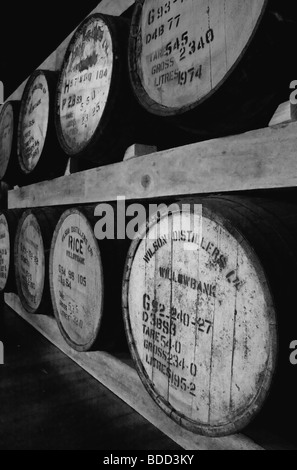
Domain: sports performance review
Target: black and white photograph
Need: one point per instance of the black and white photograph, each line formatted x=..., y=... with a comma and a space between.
x=148, y=228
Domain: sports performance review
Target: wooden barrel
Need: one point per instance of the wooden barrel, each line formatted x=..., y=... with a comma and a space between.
x=94, y=104
x=85, y=283
x=39, y=153
x=31, y=257
x=210, y=65
x=206, y=302
x=9, y=115
x=8, y=225
x=76, y=280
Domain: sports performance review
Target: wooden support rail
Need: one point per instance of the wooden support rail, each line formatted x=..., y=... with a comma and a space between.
x=261, y=159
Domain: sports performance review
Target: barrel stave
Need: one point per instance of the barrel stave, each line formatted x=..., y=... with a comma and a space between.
x=85, y=279
x=9, y=170
x=241, y=277
x=214, y=76
x=8, y=225
x=101, y=124
x=31, y=257
x=40, y=156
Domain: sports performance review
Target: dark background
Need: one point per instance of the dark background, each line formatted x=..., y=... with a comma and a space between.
x=30, y=32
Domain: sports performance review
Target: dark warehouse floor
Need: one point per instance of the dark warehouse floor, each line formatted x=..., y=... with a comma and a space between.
x=48, y=402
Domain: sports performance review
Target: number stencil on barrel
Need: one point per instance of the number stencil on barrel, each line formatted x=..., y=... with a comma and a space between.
x=6, y=137
x=30, y=262
x=4, y=251
x=84, y=84
x=33, y=123
x=189, y=47
x=76, y=280
x=200, y=321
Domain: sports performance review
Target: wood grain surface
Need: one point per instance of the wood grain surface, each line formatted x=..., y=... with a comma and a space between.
x=29, y=258
x=84, y=84
x=76, y=280
x=33, y=122
x=200, y=321
x=242, y=162
x=182, y=51
x=5, y=251
x=7, y=124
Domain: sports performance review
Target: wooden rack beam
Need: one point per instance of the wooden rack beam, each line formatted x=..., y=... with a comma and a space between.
x=261, y=159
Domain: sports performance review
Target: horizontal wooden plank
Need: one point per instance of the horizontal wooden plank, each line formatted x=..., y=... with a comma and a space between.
x=260, y=159
x=54, y=61
x=123, y=380
x=286, y=112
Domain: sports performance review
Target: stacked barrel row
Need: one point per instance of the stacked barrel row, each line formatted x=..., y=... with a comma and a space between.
x=177, y=72
x=51, y=257
x=207, y=294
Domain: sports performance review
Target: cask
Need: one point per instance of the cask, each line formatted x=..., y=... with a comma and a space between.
x=209, y=67
x=9, y=115
x=31, y=257
x=40, y=156
x=85, y=283
x=95, y=112
x=8, y=225
x=207, y=303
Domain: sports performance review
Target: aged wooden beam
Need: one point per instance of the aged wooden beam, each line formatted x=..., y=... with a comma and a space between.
x=285, y=113
x=261, y=159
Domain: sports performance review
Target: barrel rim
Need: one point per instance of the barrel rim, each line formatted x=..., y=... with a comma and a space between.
x=22, y=298
x=32, y=78
x=4, y=214
x=2, y=111
x=138, y=89
x=244, y=416
x=112, y=92
x=78, y=347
